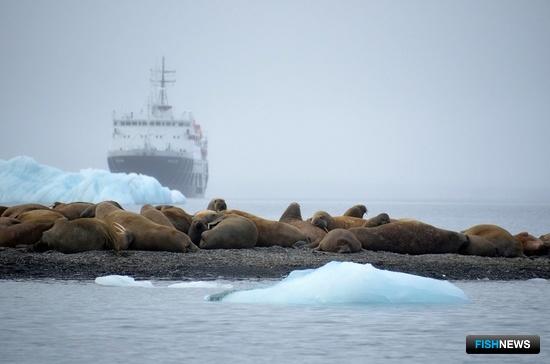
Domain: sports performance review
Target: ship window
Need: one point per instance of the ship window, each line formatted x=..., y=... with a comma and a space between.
x=180, y=124
x=115, y=123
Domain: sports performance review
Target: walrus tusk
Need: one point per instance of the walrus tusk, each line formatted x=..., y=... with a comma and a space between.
x=325, y=228
x=119, y=228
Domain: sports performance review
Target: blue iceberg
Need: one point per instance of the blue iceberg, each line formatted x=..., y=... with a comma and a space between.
x=349, y=283
x=22, y=180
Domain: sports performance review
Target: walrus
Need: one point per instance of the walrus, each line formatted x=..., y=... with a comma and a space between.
x=179, y=218
x=155, y=215
x=532, y=245
x=378, y=220
x=217, y=204
x=144, y=233
x=410, y=237
x=273, y=232
x=71, y=210
x=83, y=234
x=91, y=210
x=340, y=241
x=40, y=216
x=202, y=221
x=325, y=221
x=356, y=211
x=506, y=245
x=227, y=232
x=293, y=216
x=479, y=246
x=14, y=211
x=24, y=233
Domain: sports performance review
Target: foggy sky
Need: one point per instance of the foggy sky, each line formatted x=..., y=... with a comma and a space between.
x=300, y=99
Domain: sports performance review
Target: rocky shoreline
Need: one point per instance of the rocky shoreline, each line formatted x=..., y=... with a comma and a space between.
x=272, y=262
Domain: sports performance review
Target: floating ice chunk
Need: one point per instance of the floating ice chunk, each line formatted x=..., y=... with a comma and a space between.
x=538, y=280
x=22, y=179
x=349, y=283
x=201, y=284
x=121, y=281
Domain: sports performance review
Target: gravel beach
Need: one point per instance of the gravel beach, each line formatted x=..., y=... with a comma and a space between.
x=273, y=262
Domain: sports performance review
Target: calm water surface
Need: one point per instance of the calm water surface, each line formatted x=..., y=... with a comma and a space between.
x=69, y=322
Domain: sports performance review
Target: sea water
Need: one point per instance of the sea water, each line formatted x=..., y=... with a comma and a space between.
x=50, y=321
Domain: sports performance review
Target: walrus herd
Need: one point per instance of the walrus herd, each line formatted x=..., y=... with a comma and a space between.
x=82, y=226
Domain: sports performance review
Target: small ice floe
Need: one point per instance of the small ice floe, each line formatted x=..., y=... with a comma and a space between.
x=538, y=280
x=121, y=281
x=348, y=283
x=201, y=284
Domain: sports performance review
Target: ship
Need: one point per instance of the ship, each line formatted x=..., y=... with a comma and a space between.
x=171, y=149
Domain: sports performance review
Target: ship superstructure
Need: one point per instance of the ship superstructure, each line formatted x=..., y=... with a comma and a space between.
x=171, y=149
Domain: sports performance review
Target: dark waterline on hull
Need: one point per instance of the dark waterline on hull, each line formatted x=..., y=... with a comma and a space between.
x=176, y=173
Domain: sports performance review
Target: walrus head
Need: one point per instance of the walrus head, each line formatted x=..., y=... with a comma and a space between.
x=322, y=220
x=217, y=204
x=122, y=238
x=378, y=220
x=291, y=213
x=196, y=229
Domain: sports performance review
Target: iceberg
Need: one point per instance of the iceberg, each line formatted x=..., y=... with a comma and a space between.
x=121, y=281
x=23, y=180
x=348, y=283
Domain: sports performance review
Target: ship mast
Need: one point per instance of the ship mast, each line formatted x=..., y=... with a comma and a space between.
x=161, y=108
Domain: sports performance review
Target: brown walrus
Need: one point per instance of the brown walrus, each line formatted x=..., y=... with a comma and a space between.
x=293, y=216
x=83, y=234
x=40, y=216
x=14, y=211
x=410, y=237
x=273, y=232
x=177, y=216
x=340, y=241
x=150, y=212
x=505, y=243
x=479, y=246
x=145, y=234
x=378, y=220
x=71, y=210
x=532, y=245
x=22, y=233
x=91, y=210
x=356, y=211
x=217, y=204
x=325, y=221
x=227, y=232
